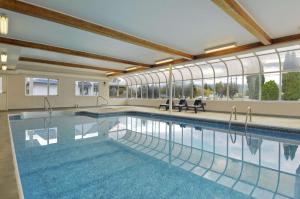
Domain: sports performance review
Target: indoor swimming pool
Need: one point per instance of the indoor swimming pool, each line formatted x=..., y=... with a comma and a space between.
x=138, y=155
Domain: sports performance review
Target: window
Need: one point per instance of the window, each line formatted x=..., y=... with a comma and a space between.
x=86, y=88
x=272, y=74
x=40, y=86
x=197, y=88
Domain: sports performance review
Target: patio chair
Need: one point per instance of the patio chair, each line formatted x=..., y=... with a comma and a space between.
x=198, y=104
x=182, y=104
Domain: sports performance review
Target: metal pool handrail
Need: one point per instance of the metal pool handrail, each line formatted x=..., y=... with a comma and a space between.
x=233, y=110
x=46, y=101
x=248, y=114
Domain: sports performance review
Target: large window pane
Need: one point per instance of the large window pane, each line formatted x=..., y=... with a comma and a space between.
x=41, y=86
x=53, y=87
x=291, y=86
x=122, y=91
x=36, y=86
x=270, y=63
x=133, y=91
x=234, y=67
x=207, y=70
x=144, y=91
x=270, y=86
x=220, y=69
x=178, y=89
x=129, y=91
x=186, y=73
x=221, y=88
x=251, y=87
x=150, y=91
x=290, y=60
x=113, y=89
x=197, y=88
x=163, y=90
x=187, y=89
x=139, y=91
x=251, y=65
x=235, y=87
x=87, y=88
x=156, y=91
x=208, y=86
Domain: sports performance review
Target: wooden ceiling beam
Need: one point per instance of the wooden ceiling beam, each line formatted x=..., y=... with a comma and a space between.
x=66, y=64
x=28, y=44
x=233, y=9
x=58, y=17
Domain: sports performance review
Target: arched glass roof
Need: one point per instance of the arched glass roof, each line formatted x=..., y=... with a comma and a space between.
x=277, y=60
x=234, y=67
x=220, y=69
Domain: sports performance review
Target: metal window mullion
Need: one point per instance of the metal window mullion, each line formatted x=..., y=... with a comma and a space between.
x=280, y=75
x=227, y=90
x=214, y=96
x=261, y=73
x=202, y=81
x=192, y=80
x=243, y=78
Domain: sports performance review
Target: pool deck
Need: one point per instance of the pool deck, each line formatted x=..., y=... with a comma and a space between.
x=8, y=180
x=283, y=122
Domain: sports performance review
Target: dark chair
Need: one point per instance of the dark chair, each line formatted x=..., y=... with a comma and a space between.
x=182, y=104
x=198, y=104
x=166, y=105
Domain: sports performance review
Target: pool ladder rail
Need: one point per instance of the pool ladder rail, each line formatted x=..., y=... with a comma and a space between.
x=233, y=111
x=248, y=114
x=47, y=102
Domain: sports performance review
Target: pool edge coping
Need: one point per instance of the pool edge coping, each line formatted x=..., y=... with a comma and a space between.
x=15, y=162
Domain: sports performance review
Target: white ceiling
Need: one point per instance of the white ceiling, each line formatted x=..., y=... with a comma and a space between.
x=277, y=17
x=189, y=25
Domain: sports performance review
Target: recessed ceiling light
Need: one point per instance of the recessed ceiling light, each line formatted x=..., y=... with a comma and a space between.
x=3, y=25
x=218, y=48
x=3, y=57
x=164, y=61
x=4, y=67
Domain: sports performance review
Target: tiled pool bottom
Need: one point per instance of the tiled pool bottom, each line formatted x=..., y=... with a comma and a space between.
x=136, y=157
x=110, y=171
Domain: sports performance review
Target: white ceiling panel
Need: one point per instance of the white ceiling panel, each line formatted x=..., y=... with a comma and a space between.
x=189, y=25
x=33, y=29
x=40, y=54
x=277, y=17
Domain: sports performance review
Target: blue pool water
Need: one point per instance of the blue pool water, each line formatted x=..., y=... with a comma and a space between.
x=140, y=156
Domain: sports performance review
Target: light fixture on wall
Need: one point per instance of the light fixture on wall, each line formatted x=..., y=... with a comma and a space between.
x=4, y=67
x=218, y=48
x=3, y=24
x=131, y=68
x=164, y=61
x=110, y=73
x=3, y=57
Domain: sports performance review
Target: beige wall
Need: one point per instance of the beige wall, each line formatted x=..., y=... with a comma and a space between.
x=3, y=94
x=265, y=108
x=16, y=98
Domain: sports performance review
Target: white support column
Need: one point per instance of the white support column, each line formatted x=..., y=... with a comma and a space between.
x=170, y=88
